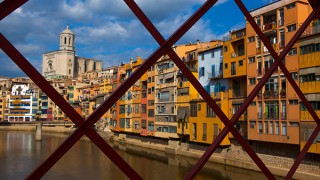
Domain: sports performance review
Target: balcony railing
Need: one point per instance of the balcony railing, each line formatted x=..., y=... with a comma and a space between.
x=217, y=74
x=258, y=50
x=270, y=94
x=269, y=26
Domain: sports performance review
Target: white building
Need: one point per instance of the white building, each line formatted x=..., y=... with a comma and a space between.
x=64, y=63
x=23, y=103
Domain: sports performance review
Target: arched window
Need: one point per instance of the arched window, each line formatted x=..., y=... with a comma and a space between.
x=65, y=40
x=69, y=40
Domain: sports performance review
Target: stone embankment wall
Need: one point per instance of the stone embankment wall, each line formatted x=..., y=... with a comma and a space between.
x=233, y=156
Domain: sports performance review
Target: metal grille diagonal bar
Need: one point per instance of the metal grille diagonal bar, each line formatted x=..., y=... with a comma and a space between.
x=147, y=23
x=7, y=7
x=294, y=39
x=130, y=81
x=69, y=111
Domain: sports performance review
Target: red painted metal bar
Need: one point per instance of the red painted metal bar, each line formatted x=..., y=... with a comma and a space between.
x=123, y=88
x=69, y=111
x=7, y=7
x=155, y=33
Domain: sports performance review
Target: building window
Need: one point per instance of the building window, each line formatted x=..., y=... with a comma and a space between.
x=251, y=39
x=260, y=130
x=201, y=71
x=225, y=65
x=277, y=128
x=252, y=124
x=266, y=127
x=292, y=27
x=150, y=113
x=252, y=60
x=271, y=128
x=294, y=101
x=310, y=48
x=204, y=133
x=294, y=75
x=233, y=68
x=308, y=78
x=193, y=109
x=202, y=56
x=252, y=81
x=290, y=6
x=272, y=85
x=272, y=110
x=292, y=52
x=225, y=49
x=284, y=128
x=210, y=112
x=212, y=54
x=194, y=131
x=241, y=63
x=258, y=21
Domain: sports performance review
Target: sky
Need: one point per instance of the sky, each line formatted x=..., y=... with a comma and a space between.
x=107, y=30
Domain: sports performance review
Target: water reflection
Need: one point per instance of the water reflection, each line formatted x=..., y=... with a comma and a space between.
x=20, y=154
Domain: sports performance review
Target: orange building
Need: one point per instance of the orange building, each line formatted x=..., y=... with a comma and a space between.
x=268, y=117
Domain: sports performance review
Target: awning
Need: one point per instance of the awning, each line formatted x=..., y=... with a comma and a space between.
x=313, y=70
x=313, y=97
x=237, y=101
x=169, y=75
x=183, y=90
x=182, y=112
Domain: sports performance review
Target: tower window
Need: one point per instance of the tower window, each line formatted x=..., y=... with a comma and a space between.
x=69, y=41
x=65, y=40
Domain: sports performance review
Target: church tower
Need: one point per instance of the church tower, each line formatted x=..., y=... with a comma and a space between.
x=67, y=40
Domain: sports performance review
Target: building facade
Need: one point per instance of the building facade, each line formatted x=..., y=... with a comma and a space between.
x=64, y=63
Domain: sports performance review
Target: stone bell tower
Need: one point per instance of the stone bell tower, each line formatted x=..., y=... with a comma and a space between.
x=67, y=40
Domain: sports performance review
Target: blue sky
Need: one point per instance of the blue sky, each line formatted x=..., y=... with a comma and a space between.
x=107, y=30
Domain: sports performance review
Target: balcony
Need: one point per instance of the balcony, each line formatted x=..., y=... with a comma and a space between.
x=269, y=26
x=183, y=99
x=184, y=84
x=259, y=71
x=271, y=94
x=215, y=75
x=236, y=93
x=271, y=116
x=275, y=47
x=258, y=50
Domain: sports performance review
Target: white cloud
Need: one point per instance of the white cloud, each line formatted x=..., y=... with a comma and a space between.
x=104, y=29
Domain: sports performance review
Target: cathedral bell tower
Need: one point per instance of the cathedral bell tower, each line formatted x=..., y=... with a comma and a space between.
x=67, y=40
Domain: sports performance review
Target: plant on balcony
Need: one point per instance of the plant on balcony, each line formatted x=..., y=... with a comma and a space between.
x=266, y=94
x=283, y=93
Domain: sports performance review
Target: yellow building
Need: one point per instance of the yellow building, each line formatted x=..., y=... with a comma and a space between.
x=204, y=125
x=235, y=70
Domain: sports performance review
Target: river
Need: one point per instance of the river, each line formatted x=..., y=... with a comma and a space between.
x=20, y=154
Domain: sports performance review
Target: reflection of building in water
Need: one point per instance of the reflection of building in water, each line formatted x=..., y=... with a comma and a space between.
x=23, y=103
x=63, y=63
